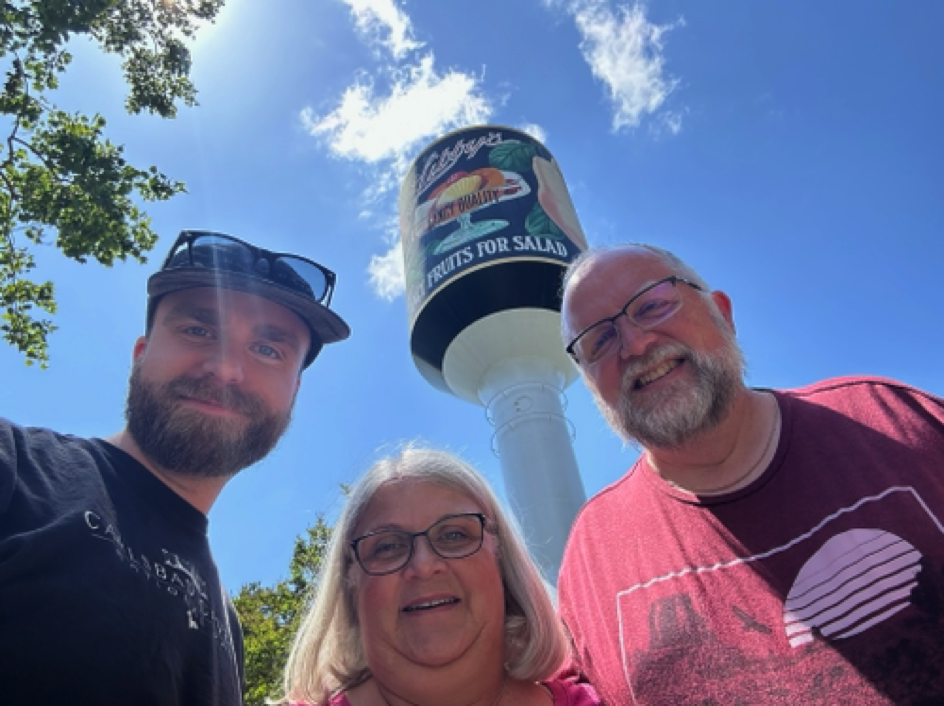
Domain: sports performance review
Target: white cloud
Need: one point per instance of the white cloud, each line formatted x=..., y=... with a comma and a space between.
x=421, y=105
x=624, y=50
x=384, y=23
x=386, y=272
x=667, y=123
x=385, y=116
x=536, y=131
x=384, y=130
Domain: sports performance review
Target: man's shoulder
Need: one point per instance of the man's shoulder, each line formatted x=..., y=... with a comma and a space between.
x=47, y=454
x=611, y=498
x=24, y=437
x=855, y=385
x=857, y=390
x=36, y=462
x=891, y=406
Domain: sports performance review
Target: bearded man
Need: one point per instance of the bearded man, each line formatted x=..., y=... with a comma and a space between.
x=768, y=546
x=108, y=591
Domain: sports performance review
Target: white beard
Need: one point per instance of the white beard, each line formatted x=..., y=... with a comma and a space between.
x=673, y=416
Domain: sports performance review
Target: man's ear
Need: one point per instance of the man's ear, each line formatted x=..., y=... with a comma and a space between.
x=139, y=346
x=723, y=302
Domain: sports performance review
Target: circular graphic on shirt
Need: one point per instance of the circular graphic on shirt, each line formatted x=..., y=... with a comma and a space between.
x=856, y=580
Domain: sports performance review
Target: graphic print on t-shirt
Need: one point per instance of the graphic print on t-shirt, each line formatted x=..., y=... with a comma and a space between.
x=859, y=578
x=170, y=573
x=828, y=611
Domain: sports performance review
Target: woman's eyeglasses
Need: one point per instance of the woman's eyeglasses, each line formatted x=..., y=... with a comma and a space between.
x=452, y=537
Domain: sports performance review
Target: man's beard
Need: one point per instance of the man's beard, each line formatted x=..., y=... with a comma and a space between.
x=671, y=417
x=190, y=442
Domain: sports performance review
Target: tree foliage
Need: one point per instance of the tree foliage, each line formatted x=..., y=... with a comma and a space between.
x=270, y=616
x=61, y=180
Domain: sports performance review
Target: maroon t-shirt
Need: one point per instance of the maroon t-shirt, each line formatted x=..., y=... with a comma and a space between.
x=822, y=582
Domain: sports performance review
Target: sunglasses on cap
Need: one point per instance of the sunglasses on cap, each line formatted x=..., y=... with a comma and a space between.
x=200, y=258
x=218, y=251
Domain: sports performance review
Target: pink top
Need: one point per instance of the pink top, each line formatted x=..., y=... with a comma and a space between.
x=569, y=693
x=565, y=692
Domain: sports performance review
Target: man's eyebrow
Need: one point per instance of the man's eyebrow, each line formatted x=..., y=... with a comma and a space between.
x=277, y=334
x=211, y=317
x=205, y=315
x=613, y=317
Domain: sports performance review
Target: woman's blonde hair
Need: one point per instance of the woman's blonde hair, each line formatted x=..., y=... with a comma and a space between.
x=327, y=655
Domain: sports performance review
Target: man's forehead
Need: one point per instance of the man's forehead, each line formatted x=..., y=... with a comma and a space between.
x=606, y=281
x=614, y=271
x=222, y=303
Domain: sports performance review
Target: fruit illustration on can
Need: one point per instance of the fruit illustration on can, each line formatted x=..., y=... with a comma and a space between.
x=555, y=200
x=464, y=193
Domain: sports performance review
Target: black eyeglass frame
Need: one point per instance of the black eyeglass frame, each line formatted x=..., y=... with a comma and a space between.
x=674, y=279
x=483, y=520
x=189, y=237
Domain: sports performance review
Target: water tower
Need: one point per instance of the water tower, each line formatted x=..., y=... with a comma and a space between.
x=488, y=228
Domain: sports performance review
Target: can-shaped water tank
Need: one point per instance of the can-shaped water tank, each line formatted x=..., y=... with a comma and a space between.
x=487, y=227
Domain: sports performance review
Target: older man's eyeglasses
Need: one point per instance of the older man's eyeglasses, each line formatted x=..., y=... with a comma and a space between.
x=452, y=537
x=647, y=308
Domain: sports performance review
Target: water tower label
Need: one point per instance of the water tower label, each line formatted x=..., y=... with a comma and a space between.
x=514, y=189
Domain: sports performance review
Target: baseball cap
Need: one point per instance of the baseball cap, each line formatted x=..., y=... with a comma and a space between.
x=201, y=258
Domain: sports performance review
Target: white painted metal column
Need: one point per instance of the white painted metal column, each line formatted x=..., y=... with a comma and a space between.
x=533, y=439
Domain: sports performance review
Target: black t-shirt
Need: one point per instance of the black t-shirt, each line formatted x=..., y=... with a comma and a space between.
x=108, y=591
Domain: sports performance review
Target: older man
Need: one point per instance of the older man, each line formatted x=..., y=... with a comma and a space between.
x=108, y=590
x=769, y=546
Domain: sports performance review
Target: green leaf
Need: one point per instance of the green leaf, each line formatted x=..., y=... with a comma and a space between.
x=512, y=156
x=59, y=174
x=270, y=615
x=539, y=223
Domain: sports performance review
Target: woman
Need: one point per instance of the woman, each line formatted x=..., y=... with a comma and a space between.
x=428, y=597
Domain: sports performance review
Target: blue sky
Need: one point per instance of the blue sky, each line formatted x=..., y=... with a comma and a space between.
x=790, y=151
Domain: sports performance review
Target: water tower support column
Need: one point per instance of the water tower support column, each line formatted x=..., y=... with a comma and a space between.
x=533, y=441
